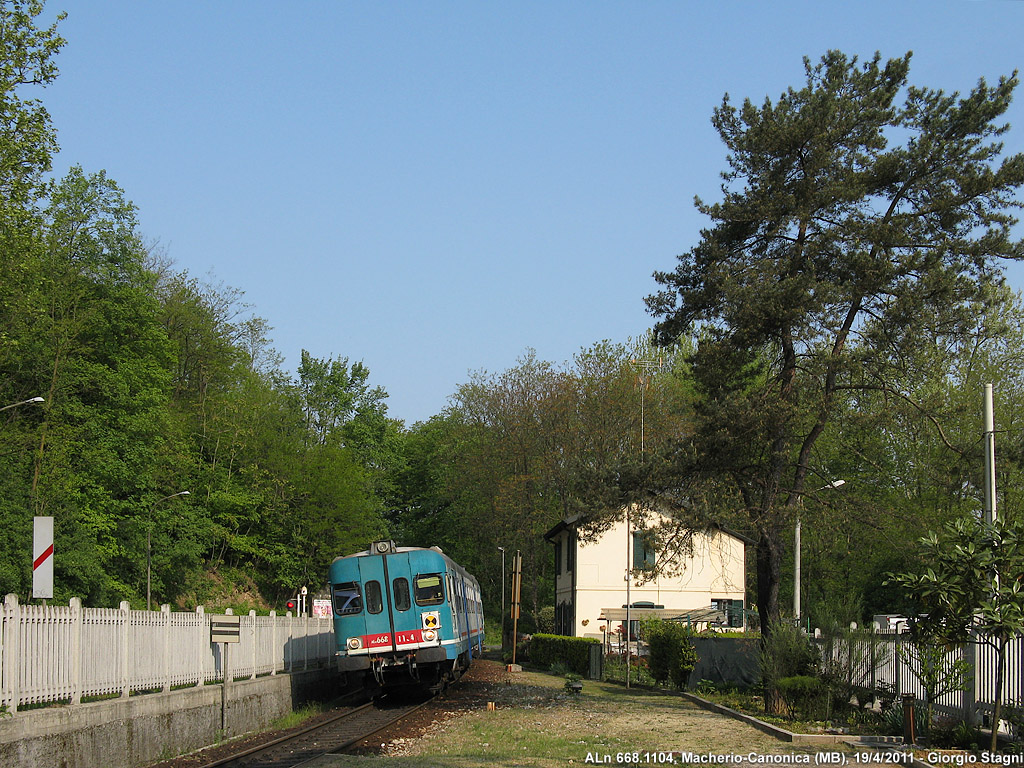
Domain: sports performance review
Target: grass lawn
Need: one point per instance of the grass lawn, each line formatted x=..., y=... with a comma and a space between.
x=537, y=723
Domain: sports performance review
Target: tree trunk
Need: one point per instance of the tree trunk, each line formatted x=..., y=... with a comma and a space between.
x=769, y=564
x=769, y=559
x=997, y=711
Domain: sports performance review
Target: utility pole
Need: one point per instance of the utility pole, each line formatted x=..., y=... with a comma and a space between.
x=796, y=551
x=990, y=457
x=645, y=367
x=502, y=550
x=517, y=582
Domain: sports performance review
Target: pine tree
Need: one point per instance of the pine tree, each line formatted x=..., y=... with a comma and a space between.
x=852, y=231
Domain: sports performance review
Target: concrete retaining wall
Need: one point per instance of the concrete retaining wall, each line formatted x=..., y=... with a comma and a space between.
x=726, y=660
x=141, y=730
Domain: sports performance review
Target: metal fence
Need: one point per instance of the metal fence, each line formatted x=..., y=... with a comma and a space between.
x=886, y=663
x=65, y=654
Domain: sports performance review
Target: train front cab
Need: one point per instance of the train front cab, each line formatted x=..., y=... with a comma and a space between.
x=396, y=616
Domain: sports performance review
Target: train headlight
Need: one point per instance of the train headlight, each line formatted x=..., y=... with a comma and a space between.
x=430, y=635
x=354, y=643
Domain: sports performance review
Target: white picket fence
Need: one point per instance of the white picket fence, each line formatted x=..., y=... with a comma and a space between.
x=65, y=654
x=883, y=667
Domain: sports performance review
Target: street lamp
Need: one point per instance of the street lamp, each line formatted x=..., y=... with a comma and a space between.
x=149, y=542
x=796, y=551
x=24, y=402
x=502, y=550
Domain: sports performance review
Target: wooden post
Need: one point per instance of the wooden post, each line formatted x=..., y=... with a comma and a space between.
x=75, y=604
x=126, y=629
x=252, y=634
x=909, y=730
x=12, y=652
x=165, y=613
x=273, y=642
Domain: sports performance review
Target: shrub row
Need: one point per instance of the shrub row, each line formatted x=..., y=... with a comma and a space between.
x=574, y=652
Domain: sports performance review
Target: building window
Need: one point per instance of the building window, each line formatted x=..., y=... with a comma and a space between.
x=733, y=610
x=563, y=620
x=558, y=557
x=643, y=551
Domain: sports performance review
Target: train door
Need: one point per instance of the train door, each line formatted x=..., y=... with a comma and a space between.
x=406, y=621
x=453, y=602
x=379, y=623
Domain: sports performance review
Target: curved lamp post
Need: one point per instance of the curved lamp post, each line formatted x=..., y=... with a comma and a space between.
x=149, y=538
x=24, y=402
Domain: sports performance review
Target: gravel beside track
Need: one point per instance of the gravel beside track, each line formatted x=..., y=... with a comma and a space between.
x=467, y=691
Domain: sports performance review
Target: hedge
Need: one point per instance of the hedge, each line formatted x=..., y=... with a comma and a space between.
x=672, y=655
x=574, y=652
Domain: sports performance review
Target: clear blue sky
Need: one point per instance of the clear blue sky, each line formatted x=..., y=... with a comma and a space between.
x=433, y=188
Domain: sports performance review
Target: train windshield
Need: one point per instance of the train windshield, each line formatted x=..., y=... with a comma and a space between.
x=347, y=598
x=428, y=589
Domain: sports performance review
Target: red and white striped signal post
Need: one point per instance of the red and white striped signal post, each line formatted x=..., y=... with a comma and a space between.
x=42, y=557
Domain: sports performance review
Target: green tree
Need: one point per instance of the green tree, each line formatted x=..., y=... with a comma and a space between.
x=27, y=138
x=520, y=450
x=852, y=231
x=969, y=585
x=912, y=461
x=100, y=357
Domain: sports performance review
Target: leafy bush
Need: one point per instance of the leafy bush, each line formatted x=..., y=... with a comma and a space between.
x=559, y=669
x=672, y=655
x=522, y=652
x=804, y=695
x=574, y=652
x=546, y=619
x=615, y=669
x=892, y=717
x=785, y=652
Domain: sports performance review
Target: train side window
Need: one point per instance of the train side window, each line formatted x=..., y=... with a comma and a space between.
x=374, y=600
x=401, y=593
x=347, y=598
x=428, y=589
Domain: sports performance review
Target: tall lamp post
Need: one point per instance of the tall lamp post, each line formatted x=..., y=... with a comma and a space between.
x=24, y=402
x=149, y=542
x=796, y=551
x=502, y=550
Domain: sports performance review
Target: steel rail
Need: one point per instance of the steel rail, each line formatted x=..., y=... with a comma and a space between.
x=250, y=754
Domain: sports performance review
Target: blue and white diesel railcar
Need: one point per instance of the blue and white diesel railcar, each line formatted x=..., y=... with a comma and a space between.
x=405, y=615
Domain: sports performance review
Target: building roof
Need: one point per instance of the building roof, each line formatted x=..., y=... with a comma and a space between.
x=563, y=525
x=572, y=522
x=691, y=615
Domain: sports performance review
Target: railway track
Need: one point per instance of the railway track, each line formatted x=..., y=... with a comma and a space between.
x=348, y=727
